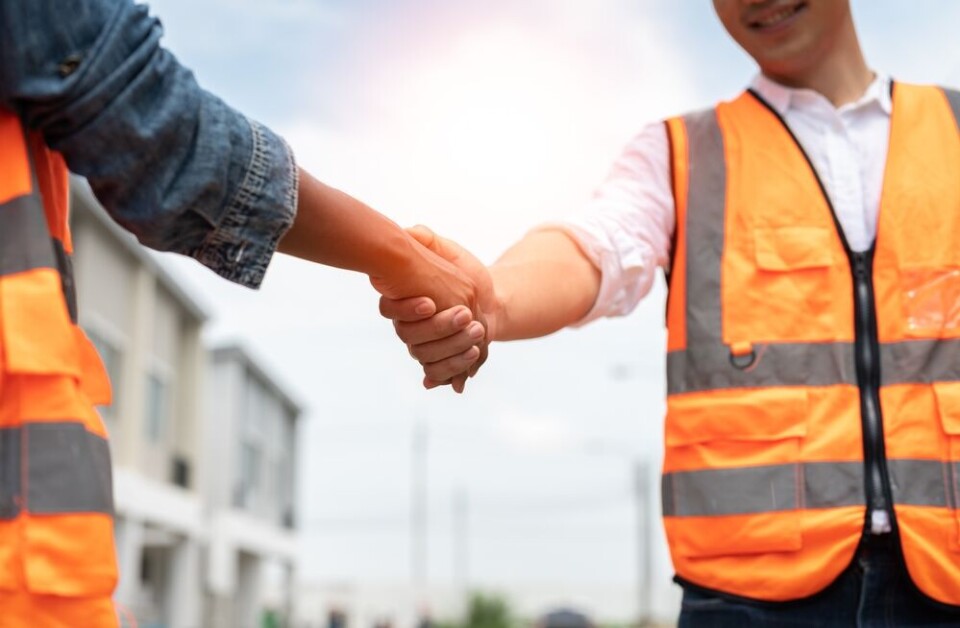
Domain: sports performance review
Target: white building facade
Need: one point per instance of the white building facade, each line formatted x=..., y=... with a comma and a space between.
x=250, y=445
x=202, y=445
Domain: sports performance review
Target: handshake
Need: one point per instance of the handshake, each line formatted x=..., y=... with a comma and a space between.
x=443, y=306
x=446, y=306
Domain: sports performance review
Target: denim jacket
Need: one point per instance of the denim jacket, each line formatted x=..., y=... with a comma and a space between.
x=169, y=161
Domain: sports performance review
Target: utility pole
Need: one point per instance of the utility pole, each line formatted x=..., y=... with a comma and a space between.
x=461, y=548
x=418, y=512
x=644, y=542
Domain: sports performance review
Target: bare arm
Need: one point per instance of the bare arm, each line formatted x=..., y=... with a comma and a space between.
x=543, y=283
x=335, y=229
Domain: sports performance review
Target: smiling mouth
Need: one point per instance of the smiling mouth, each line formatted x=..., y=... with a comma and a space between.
x=773, y=18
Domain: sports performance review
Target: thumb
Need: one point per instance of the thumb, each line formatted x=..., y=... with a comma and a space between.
x=423, y=234
x=447, y=249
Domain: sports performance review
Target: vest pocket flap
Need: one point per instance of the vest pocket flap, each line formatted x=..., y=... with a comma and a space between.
x=792, y=248
x=36, y=333
x=948, y=406
x=757, y=415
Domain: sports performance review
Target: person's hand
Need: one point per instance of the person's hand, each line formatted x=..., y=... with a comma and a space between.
x=422, y=271
x=451, y=343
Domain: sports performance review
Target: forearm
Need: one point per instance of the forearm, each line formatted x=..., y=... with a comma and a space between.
x=543, y=284
x=335, y=229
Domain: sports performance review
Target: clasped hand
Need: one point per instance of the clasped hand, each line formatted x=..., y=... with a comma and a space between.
x=448, y=337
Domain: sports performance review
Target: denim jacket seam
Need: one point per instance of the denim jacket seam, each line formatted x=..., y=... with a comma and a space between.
x=225, y=246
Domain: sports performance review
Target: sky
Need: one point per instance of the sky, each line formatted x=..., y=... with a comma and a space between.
x=480, y=120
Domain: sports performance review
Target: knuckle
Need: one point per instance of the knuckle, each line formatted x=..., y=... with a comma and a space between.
x=441, y=325
x=435, y=372
x=420, y=354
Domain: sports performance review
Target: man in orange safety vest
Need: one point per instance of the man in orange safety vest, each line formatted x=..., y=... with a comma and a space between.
x=811, y=230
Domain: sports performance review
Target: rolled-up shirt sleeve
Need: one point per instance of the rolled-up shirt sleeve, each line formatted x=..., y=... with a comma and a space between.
x=170, y=162
x=627, y=227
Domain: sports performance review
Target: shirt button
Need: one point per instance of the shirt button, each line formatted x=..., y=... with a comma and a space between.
x=69, y=65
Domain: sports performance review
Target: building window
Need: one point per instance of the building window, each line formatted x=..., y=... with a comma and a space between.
x=157, y=402
x=250, y=462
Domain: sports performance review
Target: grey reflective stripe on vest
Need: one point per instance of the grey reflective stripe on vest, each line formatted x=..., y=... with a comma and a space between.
x=811, y=364
x=9, y=473
x=810, y=485
x=771, y=488
x=24, y=237
x=68, y=470
x=806, y=364
x=925, y=482
x=920, y=362
x=706, y=205
x=953, y=97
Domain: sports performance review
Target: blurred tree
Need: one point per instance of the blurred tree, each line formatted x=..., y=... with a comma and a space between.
x=484, y=611
x=270, y=619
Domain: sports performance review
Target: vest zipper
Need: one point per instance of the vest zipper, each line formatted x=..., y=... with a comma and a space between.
x=867, y=359
x=867, y=351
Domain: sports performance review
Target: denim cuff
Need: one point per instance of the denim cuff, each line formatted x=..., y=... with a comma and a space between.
x=261, y=210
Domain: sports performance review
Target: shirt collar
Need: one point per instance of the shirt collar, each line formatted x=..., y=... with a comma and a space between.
x=781, y=98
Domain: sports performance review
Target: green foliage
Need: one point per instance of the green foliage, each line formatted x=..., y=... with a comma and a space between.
x=484, y=611
x=270, y=619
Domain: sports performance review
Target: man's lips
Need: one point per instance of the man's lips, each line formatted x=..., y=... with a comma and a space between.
x=771, y=18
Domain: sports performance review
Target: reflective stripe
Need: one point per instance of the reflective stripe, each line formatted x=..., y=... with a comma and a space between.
x=953, y=97
x=706, y=204
x=68, y=469
x=803, y=364
x=771, y=488
x=920, y=362
x=776, y=488
x=811, y=364
x=9, y=472
x=925, y=482
x=24, y=237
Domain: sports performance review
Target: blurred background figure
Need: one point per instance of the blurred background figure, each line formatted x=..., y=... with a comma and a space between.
x=336, y=618
x=564, y=618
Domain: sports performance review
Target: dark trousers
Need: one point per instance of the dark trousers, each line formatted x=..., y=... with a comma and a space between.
x=874, y=591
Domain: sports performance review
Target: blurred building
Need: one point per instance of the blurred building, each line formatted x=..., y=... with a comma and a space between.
x=250, y=445
x=148, y=334
x=202, y=444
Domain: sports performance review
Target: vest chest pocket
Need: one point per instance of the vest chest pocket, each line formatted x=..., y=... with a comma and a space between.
x=782, y=288
x=733, y=479
x=930, y=299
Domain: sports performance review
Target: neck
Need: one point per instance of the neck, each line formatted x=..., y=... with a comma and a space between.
x=841, y=73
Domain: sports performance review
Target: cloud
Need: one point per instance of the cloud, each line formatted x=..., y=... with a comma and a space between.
x=535, y=433
x=483, y=125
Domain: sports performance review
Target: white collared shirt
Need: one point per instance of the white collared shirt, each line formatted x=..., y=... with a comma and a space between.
x=627, y=228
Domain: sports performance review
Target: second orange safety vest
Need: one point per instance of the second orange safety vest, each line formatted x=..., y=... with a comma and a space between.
x=57, y=562
x=806, y=381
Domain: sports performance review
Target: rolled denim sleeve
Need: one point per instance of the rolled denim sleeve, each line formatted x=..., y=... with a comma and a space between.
x=169, y=161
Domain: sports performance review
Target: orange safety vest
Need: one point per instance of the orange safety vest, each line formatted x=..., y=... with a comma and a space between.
x=57, y=561
x=805, y=381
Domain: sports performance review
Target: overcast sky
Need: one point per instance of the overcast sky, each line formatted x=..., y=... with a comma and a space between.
x=479, y=119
